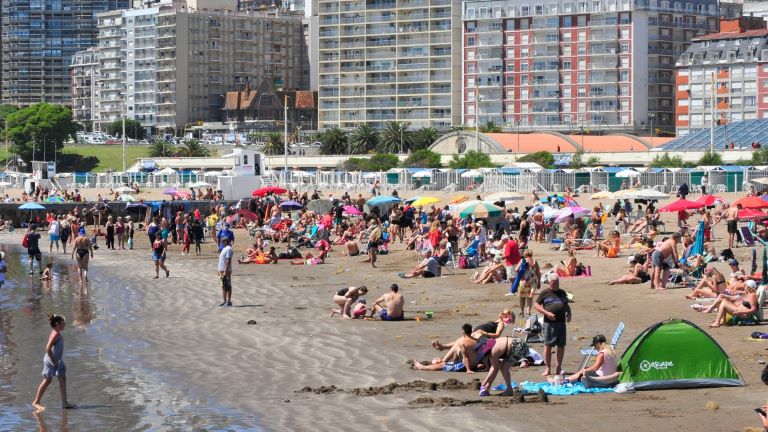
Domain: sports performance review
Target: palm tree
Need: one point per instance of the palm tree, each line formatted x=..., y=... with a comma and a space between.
x=423, y=138
x=274, y=144
x=471, y=160
x=490, y=127
x=363, y=139
x=394, y=137
x=161, y=148
x=334, y=141
x=193, y=148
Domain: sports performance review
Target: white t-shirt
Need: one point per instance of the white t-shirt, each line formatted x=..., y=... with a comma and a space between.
x=224, y=255
x=54, y=228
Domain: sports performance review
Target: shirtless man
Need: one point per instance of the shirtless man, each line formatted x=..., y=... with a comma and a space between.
x=732, y=221
x=83, y=248
x=393, y=305
x=461, y=355
x=659, y=257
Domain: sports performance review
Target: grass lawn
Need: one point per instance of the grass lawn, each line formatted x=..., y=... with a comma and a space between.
x=110, y=156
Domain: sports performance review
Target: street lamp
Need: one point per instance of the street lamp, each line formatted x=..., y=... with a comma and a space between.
x=650, y=119
x=285, y=135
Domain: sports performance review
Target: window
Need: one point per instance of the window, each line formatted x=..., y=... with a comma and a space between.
x=524, y=10
x=524, y=66
x=582, y=92
x=566, y=50
x=582, y=64
x=523, y=39
x=567, y=36
x=539, y=10
x=523, y=79
x=624, y=75
x=682, y=117
x=567, y=78
x=509, y=25
x=471, y=55
x=582, y=36
x=624, y=33
x=566, y=64
x=582, y=50
x=567, y=21
x=683, y=102
x=624, y=62
x=470, y=41
x=471, y=68
x=582, y=78
x=682, y=87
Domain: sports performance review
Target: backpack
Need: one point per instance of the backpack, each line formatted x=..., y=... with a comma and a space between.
x=152, y=230
x=463, y=262
x=25, y=240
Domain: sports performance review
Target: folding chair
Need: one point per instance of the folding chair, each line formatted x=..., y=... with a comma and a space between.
x=589, y=352
x=745, y=236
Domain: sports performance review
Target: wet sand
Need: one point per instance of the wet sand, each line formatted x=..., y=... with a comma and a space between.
x=173, y=360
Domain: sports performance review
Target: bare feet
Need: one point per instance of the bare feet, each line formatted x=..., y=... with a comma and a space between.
x=417, y=365
x=437, y=345
x=545, y=373
x=38, y=407
x=714, y=325
x=660, y=289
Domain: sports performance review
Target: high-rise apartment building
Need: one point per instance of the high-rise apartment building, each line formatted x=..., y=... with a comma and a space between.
x=577, y=65
x=389, y=60
x=39, y=39
x=724, y=76
x=85, y=69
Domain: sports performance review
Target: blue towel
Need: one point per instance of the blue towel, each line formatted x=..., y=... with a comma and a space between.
x=518, y=277
x=563, y=390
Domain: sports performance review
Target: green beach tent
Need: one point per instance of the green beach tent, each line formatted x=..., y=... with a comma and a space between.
x=676, y=354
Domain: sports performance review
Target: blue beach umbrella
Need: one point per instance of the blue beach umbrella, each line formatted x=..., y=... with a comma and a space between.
x=698, y=243
x=290, y=205
x=31, y=206
x=382, y=200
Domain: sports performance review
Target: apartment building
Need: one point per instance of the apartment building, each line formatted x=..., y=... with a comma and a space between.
x=389, y=60
x=601, y=65
x=38, y=42
x=723, y=76
x=85, y=105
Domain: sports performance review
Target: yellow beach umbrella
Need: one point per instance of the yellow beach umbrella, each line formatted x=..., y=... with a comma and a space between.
x=425, y=201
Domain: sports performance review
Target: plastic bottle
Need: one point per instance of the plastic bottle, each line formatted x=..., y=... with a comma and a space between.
x=558, y=381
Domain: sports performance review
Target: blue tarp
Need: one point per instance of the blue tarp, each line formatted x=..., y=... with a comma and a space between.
x=614, y=169
x=734, y=168
x=510, y=170
x=563, y=390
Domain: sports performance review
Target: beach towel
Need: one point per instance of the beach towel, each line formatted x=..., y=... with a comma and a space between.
x=518, y=277
x=563, y=390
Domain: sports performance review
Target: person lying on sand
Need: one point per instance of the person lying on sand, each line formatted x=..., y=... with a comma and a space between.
x=732, y=295
x=493, y=273
x=464, y=354
x=603, y=372
x=637, y=272
x=392, y=309
x=346, y=297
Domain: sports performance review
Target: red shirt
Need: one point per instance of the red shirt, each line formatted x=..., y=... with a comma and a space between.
x=511, y=253
x=434, y=238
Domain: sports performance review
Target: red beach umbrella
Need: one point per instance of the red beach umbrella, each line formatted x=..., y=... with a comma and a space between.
x=710, y=200
x=752, y=202
x=260, y=192
x=681, y=204
x=752, y=214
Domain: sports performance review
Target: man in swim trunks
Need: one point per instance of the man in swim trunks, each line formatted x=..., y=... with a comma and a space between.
x=33, y=249
x=732, y=221
x=659, y=260
x=84, y=250
x=393, y=305
x=225, y=270
x=461, y=355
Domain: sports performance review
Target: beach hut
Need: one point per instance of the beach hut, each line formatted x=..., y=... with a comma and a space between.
x=676, y=354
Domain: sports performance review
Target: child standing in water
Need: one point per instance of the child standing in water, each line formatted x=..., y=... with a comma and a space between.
x=53, y=364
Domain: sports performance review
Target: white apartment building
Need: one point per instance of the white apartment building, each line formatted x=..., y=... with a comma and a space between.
x=84, y=70
x=389, y=60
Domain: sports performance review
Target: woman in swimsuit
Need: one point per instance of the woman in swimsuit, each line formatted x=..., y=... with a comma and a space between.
x=569, y=268
x=490, y=330
x=53, y=364
x=84, y=250
x=120, y=233
x=529, y=284
x=525, y=233
x=636, y=274
x=505, y=352
x=158, y=256
x=611, y=246
x=346, y=297
x=597, y=220
x=710, y=286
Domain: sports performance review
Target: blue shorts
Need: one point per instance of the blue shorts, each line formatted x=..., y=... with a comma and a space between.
x=157, y=257
x=385, y=317
x=54, y=238
x=454, y=367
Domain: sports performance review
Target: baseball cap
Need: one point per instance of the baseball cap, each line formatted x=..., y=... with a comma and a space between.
x=733, y=262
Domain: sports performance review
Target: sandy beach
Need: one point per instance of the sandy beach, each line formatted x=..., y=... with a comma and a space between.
x=170, y=333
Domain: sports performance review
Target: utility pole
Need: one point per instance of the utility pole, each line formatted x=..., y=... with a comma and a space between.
x=124, y=137
x=712, y=123
x=285, y=132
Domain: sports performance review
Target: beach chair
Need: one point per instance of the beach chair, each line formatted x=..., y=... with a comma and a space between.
x=745, y=236
x=589, y=352
x=450, y=264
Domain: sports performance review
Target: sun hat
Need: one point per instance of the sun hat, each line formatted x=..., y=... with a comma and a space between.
x=751, y=284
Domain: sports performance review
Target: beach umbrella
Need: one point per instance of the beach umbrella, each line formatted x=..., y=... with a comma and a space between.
x=200, y=184
x=247, y=214
x=649, y=194
x=382, y=200
x=425, y=201
x=411, y=199
x=352, y=210
x=260, y=192
x=471, y=173
x=603, y=195
x=548, y=211
x=126, y=198
x=752, y=202
x=761, y=180
x=576, y=212
x=290, y=205
x=458, y=199
x=624, y=194
x=681, y=204
x=422, y=174
x=710, y=200
x=165, y=171
x=627, y=173
x=182, y=194
x=503, y=196
x=136, y=205
x=752, y=214
x=124, y=189
x=320, y=205
x=698, y=242
x=5, y=184
x=31, y=206
x=170, y=191
x=54, y=199
x=480, y=209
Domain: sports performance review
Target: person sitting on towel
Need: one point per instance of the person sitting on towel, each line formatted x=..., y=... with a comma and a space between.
x=604, y=372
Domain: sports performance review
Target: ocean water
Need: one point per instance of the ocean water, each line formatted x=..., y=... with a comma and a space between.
x=112, y=387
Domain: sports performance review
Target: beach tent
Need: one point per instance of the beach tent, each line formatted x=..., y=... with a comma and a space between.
x=676, y=354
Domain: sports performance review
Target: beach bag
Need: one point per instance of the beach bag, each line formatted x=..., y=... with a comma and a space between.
x=580, y=270
x=726, y=255
x=463, y=262
x=25, y=240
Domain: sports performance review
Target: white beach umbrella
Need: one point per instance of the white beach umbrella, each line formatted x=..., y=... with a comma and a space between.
x=126, y=198
x=200, y=184
x=627, y=173
x=124, y=189
x=165, y=171
x=422, y=174
x=471, y=173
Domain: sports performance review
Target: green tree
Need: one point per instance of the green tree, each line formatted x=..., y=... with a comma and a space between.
x=162, y=148
x=333, y=141
x=39, y=130
x=424, y=138
x=382, y=162
x=667, y=161
x=274, y=144
x=760, y=156
x=193, y=148
x=578, y=161
x=710, y=159
x=363, y=139
x=423, y=158
x=490, y=127
x=471, y=160
x=394, y=137
x=543, y=158
x=133, y=129
x=5, y=111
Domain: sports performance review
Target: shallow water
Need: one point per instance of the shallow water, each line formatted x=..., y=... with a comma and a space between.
x=106, y=377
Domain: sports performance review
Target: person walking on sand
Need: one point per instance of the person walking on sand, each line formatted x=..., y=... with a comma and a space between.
x=393, y=305
x=33, y=250
x=374, y=241
x=225, y=271
x=732, y=222
x=84, y=250
x=552, y=303
x=53, y=365
x=159, y=249
x=65, y=232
